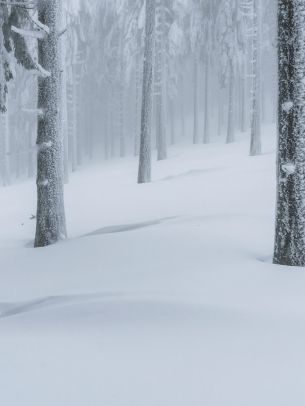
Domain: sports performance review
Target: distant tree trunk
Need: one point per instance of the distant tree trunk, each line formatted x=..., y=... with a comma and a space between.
x=255, y=147
x=144, y=174
x=196, y=104
x=138, y=79
x=230, y=130
x=243, y=85
x=51, y=224
x=160, y=83
x=206, y=135
x=220, y=111
x=172, y=121
x=4, y=167
x=182, y=109
x=290, y=213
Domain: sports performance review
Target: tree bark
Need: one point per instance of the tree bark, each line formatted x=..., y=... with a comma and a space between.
x=255, y=147
x=290, y=211
x=51, y=224
x=196, y=106
x=144, y=174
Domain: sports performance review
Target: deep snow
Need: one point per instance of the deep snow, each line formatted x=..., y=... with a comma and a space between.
x=164, y=294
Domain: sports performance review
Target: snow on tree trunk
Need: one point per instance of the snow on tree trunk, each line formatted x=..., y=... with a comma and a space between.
x=255, y=147
x=64, y=108
x=160, y=82
x=196, y=104
x=290, y=212
x=51, y=225
x=230, y=130
x=144, y=174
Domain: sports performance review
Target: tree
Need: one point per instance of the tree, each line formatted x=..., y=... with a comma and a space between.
x=144, y=174
x=255, y=147
x=290, y=211
x=160, y=78
x=51, y=225
x=229, y=36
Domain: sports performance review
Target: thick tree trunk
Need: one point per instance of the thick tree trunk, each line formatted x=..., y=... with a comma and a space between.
x=144, y=174
x=51, y=225
x=290, y=213
x=255, y=147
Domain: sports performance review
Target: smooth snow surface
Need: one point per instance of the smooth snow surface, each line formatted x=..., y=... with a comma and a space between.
x=164, y=295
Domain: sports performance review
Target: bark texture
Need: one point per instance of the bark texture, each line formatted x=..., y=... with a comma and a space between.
x=290, y=211
x=51, y=225
x=144, y=174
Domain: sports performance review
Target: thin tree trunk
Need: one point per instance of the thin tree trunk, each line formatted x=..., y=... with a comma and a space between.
x=160, y=83
x=4, y=167
x=230, y=130
x=206, y=135
x=196, y=104
x=255, y=147
x=144, y=174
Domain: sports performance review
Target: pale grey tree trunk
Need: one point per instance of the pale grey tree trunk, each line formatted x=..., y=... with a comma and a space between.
x=172, y=121
x=243, y=87
x=144, y=174
x=182, y=109
x=230, y=130
x=51, y=224
x=4, y=165
x=206, y=135
x=290, y=211
x=196, y=104
x=255, y=146
x=160, y=82
x=138, y=80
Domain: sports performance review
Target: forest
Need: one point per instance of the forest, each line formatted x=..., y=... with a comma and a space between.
x=152, y=189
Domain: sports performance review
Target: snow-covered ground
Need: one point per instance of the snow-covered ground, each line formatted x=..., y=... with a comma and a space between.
x=164, y=295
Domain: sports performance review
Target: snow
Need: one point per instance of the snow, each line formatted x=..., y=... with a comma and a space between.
x=287, y=106
x=289, y=168
x=164, y=294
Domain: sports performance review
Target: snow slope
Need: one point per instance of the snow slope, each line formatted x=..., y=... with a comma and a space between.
x=164, y=294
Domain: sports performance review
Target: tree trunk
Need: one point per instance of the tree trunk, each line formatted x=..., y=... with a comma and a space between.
x=206, y=135
x=144, y=174
x=255, y=147
x=160, y=84
x=230, y=131
x=290, y=214
x=196, y=104
x=51, y=224
x=4, y=167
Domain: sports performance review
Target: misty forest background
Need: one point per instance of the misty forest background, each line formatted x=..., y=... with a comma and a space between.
x=214, y=68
